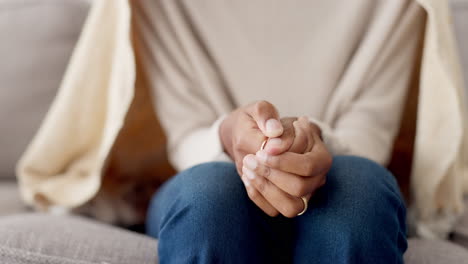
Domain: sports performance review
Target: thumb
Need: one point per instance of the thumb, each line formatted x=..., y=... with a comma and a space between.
x=267, y=118
x=285, y=142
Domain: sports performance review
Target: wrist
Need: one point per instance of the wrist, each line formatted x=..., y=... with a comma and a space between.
x=225, y=135
x=317, y=130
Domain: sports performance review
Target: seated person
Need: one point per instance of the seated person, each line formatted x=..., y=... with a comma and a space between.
x=280, y=118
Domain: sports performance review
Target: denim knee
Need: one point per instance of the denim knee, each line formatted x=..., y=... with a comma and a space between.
x=366, y=181
x=210, y=185
x=358, y=214
x=205, y=193
x=204, y=213
x=368, y=196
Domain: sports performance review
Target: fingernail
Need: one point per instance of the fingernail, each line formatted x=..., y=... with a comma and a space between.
x=275, y=142
x=250, y=162
x=249, y=173
x=273, y=126
x=262, y=156
x=246, y=181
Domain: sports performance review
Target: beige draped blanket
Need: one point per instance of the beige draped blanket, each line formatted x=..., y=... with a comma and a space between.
x=63, y=165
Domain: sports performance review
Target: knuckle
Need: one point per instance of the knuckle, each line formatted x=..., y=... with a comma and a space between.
x=264, y=171
x=261, y=106
x=257, y=107
x=311, y=126
x=261, y=185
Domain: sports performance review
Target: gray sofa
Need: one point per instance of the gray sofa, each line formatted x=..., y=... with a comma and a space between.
x=37, y=38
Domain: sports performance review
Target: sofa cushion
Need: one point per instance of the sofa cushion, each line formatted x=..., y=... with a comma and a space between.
x=40, y=239
x=10, y=201
x=434, y=252
x=37, y=40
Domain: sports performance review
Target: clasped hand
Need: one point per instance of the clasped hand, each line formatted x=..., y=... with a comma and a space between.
x=293, y=163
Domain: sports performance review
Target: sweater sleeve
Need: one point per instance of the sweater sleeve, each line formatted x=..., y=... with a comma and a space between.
x=368, y=124
x=206, y=140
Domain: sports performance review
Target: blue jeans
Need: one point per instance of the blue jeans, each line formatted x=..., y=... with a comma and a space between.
x=203, y=215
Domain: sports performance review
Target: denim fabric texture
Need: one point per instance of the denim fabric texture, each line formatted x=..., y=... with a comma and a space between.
x=204, y=215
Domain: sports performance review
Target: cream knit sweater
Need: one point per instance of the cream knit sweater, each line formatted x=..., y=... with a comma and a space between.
x=63, y=164
x=345, y=64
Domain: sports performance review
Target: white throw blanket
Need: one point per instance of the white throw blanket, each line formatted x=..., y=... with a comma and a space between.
x=63, y=164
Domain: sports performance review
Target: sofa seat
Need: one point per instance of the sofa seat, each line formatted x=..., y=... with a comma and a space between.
x=422, y=251
x=40, y=239
x=10, y=200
